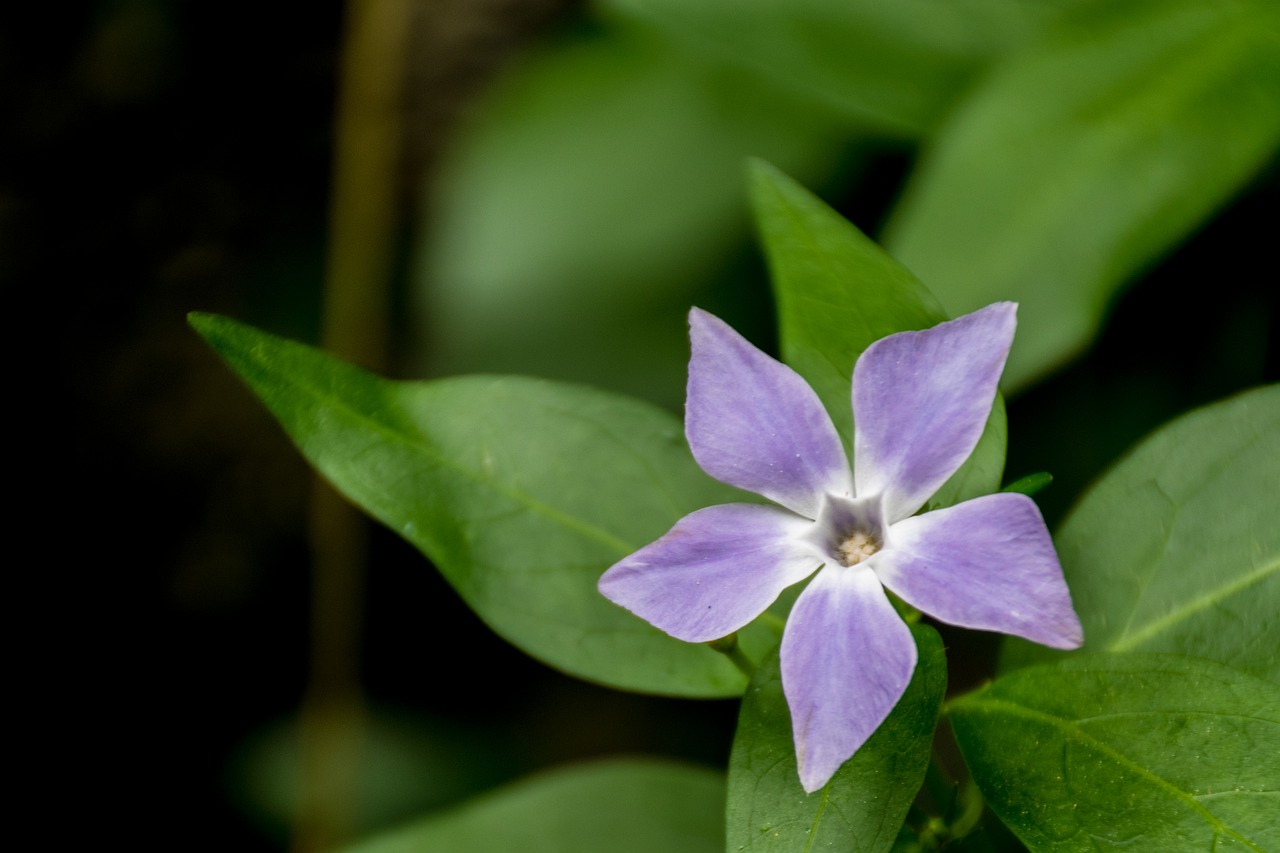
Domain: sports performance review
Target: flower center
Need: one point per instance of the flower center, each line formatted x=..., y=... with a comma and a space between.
x=856, y=547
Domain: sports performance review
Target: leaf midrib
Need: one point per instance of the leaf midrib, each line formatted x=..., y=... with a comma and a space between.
x=415, y=445
x=1069, y=727
x=1128, y=642
x=817, y=820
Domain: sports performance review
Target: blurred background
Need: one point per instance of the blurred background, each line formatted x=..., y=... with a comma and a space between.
x=536, y=187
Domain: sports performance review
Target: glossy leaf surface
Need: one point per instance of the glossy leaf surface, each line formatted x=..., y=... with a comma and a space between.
x=1177, y=549
x=1133, y=752
x=837, y=293
x=862, y=808
x=522, y=492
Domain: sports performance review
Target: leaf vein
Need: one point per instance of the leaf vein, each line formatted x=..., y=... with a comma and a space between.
x=1069, y=727
x=1129, y=641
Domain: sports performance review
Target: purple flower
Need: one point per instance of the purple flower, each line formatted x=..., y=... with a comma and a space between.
x=920, y=401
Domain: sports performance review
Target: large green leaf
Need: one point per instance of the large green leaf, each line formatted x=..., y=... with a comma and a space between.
x=622, y=806
x=862, y=808
x=1145, y=753
x=894, y=66
x=522, y=492
x=596, y=192
x=1084, y=158
x=1177, y=549
x=837, y=293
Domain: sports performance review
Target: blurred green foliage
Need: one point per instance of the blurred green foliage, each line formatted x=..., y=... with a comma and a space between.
x=622, y=805
x=1083, y=158
x=1066, y=147
x=167, y=156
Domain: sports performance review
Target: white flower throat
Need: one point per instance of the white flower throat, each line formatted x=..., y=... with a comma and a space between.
x=857, y=546
x=848, y=530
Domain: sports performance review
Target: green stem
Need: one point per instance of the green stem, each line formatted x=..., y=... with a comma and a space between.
x=728, y=646
x=941, y=788
x=364, y=223
x=774, y=620
x=958, y=807
x=967, y=822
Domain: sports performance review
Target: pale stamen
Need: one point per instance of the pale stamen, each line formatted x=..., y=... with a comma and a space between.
x=857, y=547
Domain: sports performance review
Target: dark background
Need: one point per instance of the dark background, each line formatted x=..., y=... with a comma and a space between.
x=160, y=158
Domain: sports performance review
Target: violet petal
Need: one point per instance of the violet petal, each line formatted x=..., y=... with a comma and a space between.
x=920, y=402
x=714, y=572
x=752, y=422
x=847, y=658
x=988, y=564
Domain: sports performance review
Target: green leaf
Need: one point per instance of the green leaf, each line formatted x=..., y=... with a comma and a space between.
x=838, y=292
x=1177, y=548
x=1127, y=751
x=593, y=197
x=1085, y=158
x=862, y=808
x=1030, y=484
x=522, y=491
x=623, y=806
x=893, y=66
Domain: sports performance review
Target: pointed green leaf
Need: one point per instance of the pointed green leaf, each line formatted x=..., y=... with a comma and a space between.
x=1177, y=548
x=862, y=808
x=623, y=806
x=1086, y=157
x=837, y=293
x=1030, y=485
x=521, y=491
x=1145, y=753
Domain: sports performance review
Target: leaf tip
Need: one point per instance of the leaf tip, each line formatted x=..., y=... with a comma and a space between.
x=759, y=168
x=206, y=324
x=763, y=176
x=1031, y=484
x=218, y=331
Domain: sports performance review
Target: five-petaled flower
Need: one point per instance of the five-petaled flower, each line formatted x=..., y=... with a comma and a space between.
x=920, y=402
